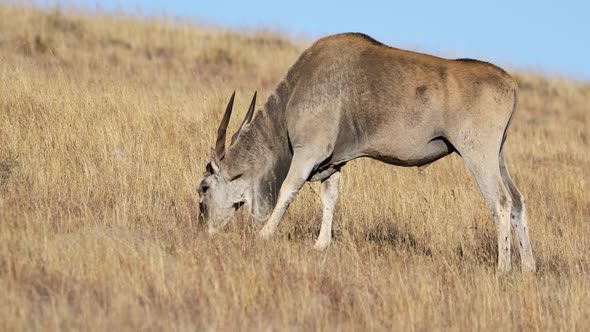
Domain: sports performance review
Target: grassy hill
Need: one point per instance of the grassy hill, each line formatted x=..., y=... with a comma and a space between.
x=105, y=127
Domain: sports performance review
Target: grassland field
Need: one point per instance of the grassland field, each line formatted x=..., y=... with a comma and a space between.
x=106, y=121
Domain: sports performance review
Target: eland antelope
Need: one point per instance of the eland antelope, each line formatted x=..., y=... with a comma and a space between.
x=350, y=96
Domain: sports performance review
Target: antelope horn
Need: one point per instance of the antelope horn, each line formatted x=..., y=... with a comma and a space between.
x=220, y=144
x=247, y=119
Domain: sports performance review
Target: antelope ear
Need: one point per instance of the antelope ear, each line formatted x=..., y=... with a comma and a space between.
x=215, y=165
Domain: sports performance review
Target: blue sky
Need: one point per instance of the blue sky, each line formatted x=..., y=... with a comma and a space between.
x=548, y=36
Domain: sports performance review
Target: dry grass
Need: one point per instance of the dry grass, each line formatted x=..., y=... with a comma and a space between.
x=105, y=124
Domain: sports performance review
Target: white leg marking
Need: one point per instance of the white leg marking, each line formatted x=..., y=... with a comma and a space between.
x=487, y=174
x=298, y=173
x=518, y=218
x=329, y=196
x=519, y=223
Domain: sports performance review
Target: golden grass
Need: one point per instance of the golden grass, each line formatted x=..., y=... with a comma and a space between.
x=105, y=125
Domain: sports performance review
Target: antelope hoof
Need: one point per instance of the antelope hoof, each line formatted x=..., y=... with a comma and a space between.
x=503, y=269
x=530, y=267
x=266, y=232
x=321, y=246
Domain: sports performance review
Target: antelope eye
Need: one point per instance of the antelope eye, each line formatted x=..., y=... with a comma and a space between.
x=203, y=189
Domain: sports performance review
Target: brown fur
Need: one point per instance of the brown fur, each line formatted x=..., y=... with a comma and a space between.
x=349, y=96
x=380, y=102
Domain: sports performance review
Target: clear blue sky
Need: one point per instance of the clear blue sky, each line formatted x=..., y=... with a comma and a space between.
x=551, y=36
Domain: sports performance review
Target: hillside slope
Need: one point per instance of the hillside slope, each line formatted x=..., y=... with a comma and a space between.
x=105, y=127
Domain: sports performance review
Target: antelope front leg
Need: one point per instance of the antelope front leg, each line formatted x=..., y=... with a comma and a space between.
x=329, y=196
x=298, y=173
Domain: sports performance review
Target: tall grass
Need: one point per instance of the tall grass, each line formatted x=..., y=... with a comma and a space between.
x=105, y=125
